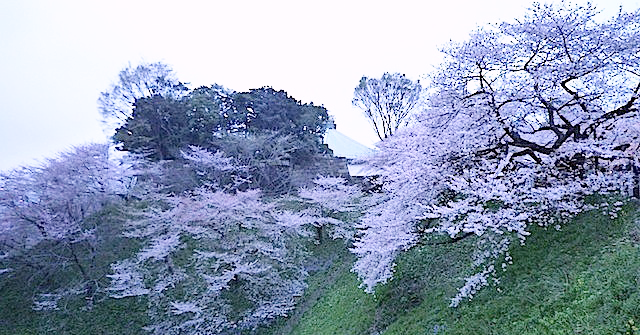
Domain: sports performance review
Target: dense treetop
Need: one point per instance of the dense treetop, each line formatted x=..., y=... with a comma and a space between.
x=161, y=125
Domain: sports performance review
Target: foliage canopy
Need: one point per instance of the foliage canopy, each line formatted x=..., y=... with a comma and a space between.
x=525, y=121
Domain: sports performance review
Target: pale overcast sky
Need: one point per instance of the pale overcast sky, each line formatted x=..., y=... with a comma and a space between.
x=57, y=56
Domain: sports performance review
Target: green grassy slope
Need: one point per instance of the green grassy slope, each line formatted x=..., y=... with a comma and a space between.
x=584, y=279
x=33, y=275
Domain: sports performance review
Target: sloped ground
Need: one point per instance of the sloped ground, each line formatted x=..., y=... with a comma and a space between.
x=584, y=279
x=32, y=275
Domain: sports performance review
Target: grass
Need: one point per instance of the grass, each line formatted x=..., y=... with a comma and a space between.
x=584, y=279
x=344, y=309
x=46, y=273
x=328, y=267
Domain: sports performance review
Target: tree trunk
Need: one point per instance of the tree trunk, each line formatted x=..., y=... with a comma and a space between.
x=636, y=181
x=319, y=233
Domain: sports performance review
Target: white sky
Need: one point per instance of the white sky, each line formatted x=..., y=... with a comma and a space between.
x=57, y=56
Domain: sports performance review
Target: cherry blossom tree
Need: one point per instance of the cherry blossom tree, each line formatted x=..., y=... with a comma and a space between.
x=330, y=203
x=213, y=259
x=49, y=204
x=525, y=121
x=57, y=196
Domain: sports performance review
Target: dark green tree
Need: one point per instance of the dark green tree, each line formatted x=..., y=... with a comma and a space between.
x=213, y=106
x=158, y=128
x=268, y=110
x=145, y=80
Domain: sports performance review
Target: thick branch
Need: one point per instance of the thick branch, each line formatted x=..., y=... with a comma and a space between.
x=622, y=110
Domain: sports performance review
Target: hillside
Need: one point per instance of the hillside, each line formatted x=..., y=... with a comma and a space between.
x=504, y=207
x=584, y=279
x=581, y=280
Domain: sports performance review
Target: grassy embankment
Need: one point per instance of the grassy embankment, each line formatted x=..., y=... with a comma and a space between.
x=584, y=279
x=49, y=266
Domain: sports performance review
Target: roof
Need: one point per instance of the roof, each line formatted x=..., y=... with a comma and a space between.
x=363, y=170
x=344, y=146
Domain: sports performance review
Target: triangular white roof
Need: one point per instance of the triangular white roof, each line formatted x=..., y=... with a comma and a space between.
x=363, y=170
x=344, y=146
